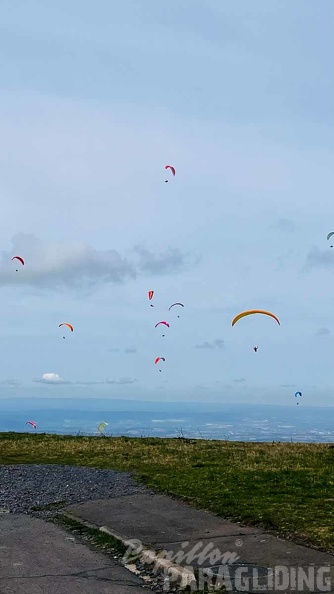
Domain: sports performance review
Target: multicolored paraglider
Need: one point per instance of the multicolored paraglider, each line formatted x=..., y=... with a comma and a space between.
x=159, y=359
x=68, y=326
x=165, y=323
x=20, y=259
x=32, y=423
x=102, y=427
x=172, y=170
x=150, y=297
x=181, y=304
x=254, y=311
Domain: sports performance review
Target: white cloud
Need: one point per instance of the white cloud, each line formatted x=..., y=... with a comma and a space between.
x=51, y=378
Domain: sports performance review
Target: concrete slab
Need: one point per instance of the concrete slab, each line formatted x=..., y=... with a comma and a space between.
x=37, y=557
x=201, y=541
x=156, y=519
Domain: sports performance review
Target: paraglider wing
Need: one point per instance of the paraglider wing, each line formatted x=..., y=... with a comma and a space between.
x=175, y=304
x=68, y=325
x=32, y=423
x=298, y=394
x=150, y=295
x=330, y=234
x=102, y=426
x=171, y=168
x=165, y=323
x=18, y=258
x=254, y=311
x=159, y=359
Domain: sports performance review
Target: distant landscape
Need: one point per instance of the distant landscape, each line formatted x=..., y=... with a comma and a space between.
x=233, y=422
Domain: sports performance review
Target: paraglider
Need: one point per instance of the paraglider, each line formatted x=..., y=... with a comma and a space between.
x=165, y=323
x=172, y=170
x=255, y=348
x=254, y=311
x=181, y=304
x=20, y=259
x=298, y=394
x=150, y=296
x=329, y=236
x=102, y=427
x=159, y=359
x=68, y=325
x=32, y=423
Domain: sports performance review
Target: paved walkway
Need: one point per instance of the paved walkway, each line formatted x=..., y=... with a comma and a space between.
x=163, y=523
x=37, y=557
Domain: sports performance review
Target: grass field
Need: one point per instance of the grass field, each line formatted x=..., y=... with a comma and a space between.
x=288, y=488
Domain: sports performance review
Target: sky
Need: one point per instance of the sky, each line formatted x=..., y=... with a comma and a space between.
x=95, y=100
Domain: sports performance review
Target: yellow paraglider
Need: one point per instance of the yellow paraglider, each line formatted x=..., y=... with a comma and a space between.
x=254, y=311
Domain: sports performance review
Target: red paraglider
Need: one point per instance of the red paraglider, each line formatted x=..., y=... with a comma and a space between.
x=19, y=259
x=150, y=296
x=165, y=323
x=172, y=170
x=159, y=359
x=32, y=423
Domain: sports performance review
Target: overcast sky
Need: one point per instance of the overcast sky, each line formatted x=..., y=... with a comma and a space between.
x=95, y=99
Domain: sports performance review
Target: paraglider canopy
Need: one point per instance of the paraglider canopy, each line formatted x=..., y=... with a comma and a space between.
x=298, y=394
x=171, y=168
x=20, y=259
x=254, y=311
x=68, y=325
x=178, y=303
x=159, y=359
x=150, y=296
x=165, y=323
x=32, y=423
x=102, y=427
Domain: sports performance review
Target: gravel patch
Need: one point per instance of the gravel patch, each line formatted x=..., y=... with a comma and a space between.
x=26, y=488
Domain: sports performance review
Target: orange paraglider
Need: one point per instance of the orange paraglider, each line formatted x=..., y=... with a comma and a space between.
x=254, y=311
x=68, y=326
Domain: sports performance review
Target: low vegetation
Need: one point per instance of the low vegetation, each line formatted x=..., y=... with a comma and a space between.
x=285, y=487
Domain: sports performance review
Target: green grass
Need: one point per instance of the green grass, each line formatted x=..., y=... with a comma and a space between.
x=288, y=488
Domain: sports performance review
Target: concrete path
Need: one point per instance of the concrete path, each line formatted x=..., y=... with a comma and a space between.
x=201, y=540
x=37, y=557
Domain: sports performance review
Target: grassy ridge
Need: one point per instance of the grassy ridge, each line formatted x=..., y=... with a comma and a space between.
x=285, y=487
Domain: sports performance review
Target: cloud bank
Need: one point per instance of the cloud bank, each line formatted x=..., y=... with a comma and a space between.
x=77, y=265
x=218, y=343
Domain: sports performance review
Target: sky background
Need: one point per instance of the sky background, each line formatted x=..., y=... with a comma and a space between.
x=94, y=101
